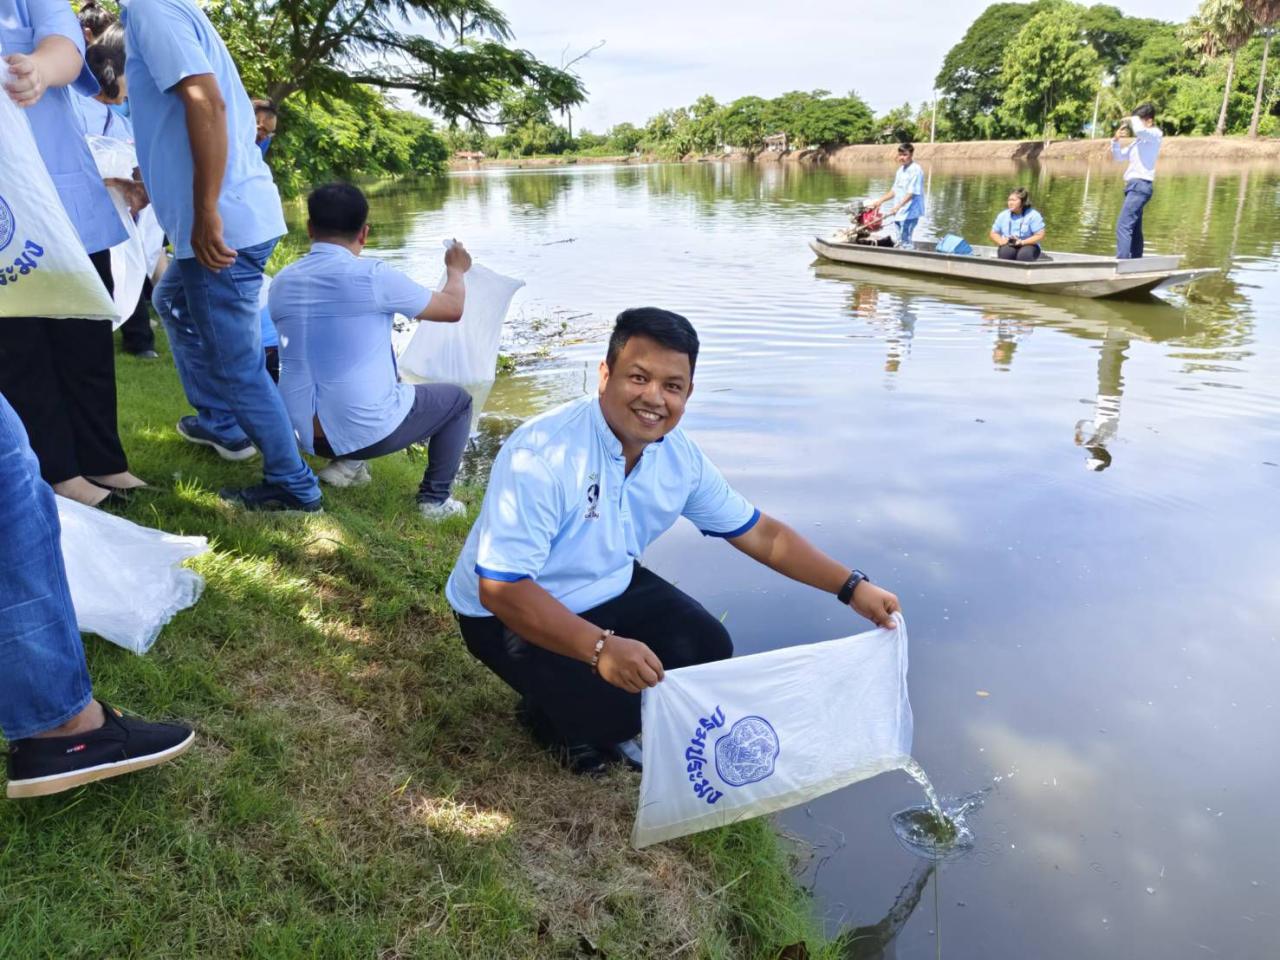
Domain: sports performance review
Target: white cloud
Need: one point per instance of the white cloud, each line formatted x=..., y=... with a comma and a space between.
x=665, y=53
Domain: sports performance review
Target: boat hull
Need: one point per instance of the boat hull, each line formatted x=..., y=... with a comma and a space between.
x=1066, y=274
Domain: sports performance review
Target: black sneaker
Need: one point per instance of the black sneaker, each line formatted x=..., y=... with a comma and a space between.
x=190, y=430
x=581, y=758
x=268, y=496
x=40, y=766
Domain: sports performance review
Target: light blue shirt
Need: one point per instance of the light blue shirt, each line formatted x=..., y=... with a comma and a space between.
x=560, y=510
x=1141, y=153
x=99, y=120
x=167, y=41
x=909, y=180
x=1021, y=226
x=23, y=25
x=334, y=311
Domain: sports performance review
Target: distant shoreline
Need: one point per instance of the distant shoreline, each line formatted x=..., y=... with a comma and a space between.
x=1174, y=149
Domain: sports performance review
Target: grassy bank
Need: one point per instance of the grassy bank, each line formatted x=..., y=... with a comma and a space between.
x=358, y=788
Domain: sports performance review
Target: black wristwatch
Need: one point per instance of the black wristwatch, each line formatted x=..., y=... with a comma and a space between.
x=850, y=585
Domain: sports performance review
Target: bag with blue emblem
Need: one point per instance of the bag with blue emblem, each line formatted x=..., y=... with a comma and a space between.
x=44, y=269
x=739, y=738
x=953, y=244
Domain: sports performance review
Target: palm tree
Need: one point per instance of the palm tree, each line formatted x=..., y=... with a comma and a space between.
x=1220, y=26
x=1266, y=13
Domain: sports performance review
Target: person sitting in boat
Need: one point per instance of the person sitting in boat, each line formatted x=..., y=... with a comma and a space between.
x=549, y=589
x=1018, y=229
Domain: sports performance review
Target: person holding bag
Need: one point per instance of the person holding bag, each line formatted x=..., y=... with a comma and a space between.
x=59, y=374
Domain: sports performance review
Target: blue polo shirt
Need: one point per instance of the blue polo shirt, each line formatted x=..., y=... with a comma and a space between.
x=1018, y=225
x=909, y=180
x=167, y=41
x=559, y=509
x=333, y=312
x=24, y=24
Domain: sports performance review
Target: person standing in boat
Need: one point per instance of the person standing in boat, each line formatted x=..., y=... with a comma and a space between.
x=1138, y=177
x=1018, y=229
x=907, y=194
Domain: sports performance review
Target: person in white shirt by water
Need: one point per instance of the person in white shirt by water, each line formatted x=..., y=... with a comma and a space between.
x=1138, y=177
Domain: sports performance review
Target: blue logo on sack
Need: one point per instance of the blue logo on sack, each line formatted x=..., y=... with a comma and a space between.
x=746, y=754
x=7, y=226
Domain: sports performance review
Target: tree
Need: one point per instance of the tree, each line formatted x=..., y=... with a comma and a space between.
x=745, y=123
x=325, y=48
x=1266, y=13
x=898, y=126
x=1155, y=70
x=831, y=121
x=1115, y=37
x=1220, y=26
x=970, y=74
x=1050, y=74
x=624, y=138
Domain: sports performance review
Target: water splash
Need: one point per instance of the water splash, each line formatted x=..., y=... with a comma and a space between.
x=941, y=834
x=916, y=772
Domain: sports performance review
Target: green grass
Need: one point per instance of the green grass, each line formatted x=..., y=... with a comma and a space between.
x=358, y=787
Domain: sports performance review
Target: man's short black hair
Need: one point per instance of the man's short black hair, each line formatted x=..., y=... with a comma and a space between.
x=906, y=146
x=1145, y=112
x=265, y=106
x=337, y=210
x=666, y=328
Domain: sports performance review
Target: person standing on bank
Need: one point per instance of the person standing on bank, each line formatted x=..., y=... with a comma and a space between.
x=1138, y=177
x=549, y=591
x=907, y=194
x=1018, y=229
x=215, y=198
x=59, y=375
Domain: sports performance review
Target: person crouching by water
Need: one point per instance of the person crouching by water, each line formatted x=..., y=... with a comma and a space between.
x=907, y=194
x=334, y=311
x=549, y=591
x=1018, y=229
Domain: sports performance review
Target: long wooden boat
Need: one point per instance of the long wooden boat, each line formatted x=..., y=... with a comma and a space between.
x=1068, y=274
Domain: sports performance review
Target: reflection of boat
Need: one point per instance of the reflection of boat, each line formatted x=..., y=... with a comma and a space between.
x=1153, y=319
x=1070, y=274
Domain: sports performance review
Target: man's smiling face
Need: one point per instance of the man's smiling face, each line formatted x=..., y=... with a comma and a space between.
x=643, y=397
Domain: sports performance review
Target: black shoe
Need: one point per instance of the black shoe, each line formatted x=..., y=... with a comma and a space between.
x=268, y=496
x=190, y=430
x=40, y=766
x=582, y=758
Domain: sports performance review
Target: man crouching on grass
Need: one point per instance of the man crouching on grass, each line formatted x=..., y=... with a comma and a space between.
x=549, y=590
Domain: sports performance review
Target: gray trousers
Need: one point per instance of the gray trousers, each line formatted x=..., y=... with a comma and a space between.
x=441, y=417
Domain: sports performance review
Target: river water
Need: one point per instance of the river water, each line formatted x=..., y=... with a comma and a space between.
x=1078, y=503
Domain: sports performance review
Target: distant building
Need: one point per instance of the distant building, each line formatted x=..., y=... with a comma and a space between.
x=469, y=155
x=776, y=142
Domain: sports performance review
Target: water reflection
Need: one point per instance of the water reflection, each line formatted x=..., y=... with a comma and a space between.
x=876, y=941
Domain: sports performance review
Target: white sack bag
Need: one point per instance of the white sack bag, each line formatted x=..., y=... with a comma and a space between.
x=738, y=738
x=464, y=353
x=44, y=269
x=126, y=581
x=129, y=268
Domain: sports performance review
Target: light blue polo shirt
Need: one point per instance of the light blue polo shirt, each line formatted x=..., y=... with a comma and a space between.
x=1020, y=226
x=333, y=312
x=559, y=509
x=909, y=180
x=99, y=120
x=56, y=125
x=167, y=41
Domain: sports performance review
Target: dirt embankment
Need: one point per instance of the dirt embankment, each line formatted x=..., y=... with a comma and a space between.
x=1173, y=148
x=523, y=162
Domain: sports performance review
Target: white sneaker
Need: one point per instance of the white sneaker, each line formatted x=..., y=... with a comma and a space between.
x=439, y=511
x=345, y=473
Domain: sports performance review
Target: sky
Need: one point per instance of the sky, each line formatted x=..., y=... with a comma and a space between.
x=666, y=53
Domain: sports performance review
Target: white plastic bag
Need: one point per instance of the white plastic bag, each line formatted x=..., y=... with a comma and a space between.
x=739, y=738
x=126, y=581
x=129, y=262
x=466, y=352
x=44, y=269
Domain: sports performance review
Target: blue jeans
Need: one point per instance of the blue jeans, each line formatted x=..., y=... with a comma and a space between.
x=216, y=318
x=44, y=681
x=1129, y=225
x=905, y=230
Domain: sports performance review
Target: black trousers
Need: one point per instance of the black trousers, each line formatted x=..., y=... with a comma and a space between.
x=60, y=377
x=1024, y=253
x=582, y=707
x=136, y=334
